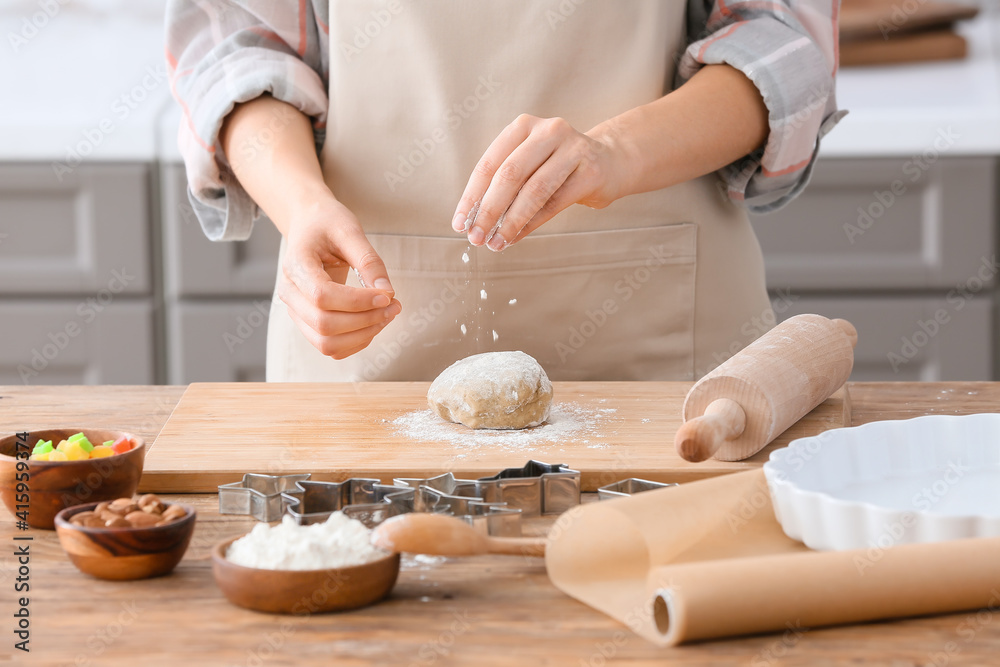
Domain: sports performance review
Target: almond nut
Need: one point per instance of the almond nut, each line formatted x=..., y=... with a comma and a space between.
x=117, y=522
x=123, y=506
x=173, y=513
x=80, y=518
x=150, y=503
x=140, y=519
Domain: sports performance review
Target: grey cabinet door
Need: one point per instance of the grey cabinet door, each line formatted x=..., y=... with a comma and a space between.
x=218, y=341
x=884, y=223
x=87, y=341
x=196, y=266
x=912, y=338
x=74, y=233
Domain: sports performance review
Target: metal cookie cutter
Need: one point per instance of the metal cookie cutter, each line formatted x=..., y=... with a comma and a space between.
x=361, y=498
x=372, y=503
x=537, y=488
x=446, y=483
x=629, y=487
x=257, y=495
x=495, y=519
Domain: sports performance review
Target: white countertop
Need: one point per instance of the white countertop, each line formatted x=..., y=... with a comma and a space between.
x=94, y=66
x=899, y=110
x=90, y=82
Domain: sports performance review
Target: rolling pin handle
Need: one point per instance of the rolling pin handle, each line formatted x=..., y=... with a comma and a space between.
x=699, y=438
x=848, y=329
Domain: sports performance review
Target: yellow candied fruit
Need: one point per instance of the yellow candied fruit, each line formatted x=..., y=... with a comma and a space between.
x=100, y=452
x=58, y=456
x=75, y=452
x=40, y=457
x=63, y=444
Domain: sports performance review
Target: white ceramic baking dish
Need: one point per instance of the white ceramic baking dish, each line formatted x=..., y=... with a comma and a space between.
x=926, y=479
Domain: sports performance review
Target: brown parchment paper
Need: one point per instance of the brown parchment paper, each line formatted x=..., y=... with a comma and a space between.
x=708, y=559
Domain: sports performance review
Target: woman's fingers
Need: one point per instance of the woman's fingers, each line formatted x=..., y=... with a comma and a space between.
x=333, y=322
x=510, y=178
x=571, y=191
x=536, y=168
x=357, y=251
x=306, y=271
x=536, y=192
x=510, y=138
x=338, y=346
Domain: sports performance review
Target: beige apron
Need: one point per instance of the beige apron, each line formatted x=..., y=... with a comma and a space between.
x=662, y=285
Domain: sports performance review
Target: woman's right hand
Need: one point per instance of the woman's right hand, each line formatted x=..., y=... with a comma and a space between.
x=272, y=151
x=323, y=242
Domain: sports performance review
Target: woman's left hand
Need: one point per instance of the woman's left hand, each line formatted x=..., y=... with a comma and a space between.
x=536, y=168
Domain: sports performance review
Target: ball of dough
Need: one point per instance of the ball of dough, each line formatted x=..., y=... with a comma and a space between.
x=499, y=390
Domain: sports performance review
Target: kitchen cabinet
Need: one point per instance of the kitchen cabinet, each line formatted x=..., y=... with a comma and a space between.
x=76, y=297
x=195, y=267
x=906, y=254
x=76, y=232
x=216, y=295
x=885, y=224
x=217, y=341
x=77, y=341
x=911, y=338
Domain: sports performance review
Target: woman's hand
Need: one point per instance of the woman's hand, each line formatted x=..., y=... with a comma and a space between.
x=539, y=166
x=324, y=241
x=536, y=168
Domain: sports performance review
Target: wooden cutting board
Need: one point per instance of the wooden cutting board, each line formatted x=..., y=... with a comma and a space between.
x=886, y=19
x=919, y=47
x=607, y=430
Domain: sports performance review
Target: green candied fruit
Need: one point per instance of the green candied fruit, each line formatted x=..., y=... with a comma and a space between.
x=108, y=443
x=42, y=447
x=81, y=440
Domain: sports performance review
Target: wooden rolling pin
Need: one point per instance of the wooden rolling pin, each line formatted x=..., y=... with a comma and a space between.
x=734, y=411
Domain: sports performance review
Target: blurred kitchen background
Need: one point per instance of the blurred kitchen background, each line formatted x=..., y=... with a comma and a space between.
x=106, y=277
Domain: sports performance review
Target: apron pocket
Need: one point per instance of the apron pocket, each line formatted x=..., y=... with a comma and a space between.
x=601, y=305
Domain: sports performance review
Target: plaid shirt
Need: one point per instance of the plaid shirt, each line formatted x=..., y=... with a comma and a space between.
x=222, y=53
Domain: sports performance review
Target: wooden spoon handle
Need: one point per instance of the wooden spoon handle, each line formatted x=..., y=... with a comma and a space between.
x=516, y=546
x=699, y=438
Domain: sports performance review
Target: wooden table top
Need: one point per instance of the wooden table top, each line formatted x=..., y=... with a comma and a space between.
x=475, y=611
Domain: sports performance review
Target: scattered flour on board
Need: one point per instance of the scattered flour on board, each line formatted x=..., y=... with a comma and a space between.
x=567, y=422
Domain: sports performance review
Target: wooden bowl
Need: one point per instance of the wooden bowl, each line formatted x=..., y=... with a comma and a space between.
x=124, y=553
x=55, y=485
x=303, y=592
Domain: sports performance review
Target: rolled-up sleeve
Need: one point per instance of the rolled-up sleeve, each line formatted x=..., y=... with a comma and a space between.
x=221, y=53
x=788, y=49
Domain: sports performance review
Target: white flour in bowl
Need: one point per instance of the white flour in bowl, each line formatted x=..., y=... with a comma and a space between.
x=337, y=542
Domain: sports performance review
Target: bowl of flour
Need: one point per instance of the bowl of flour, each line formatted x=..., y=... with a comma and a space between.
x=293, y=569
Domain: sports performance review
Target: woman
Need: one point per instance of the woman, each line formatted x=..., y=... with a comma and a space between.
x=564, y=177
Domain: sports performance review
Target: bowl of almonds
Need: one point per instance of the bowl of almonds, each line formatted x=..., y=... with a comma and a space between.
x=126, y=538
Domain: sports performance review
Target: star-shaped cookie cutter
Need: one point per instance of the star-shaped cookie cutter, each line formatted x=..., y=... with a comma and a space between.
x=629, y=487
x=362, y=498
x=372, y=502
x=494, y=505
x=257, y=495
x=536, y=488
